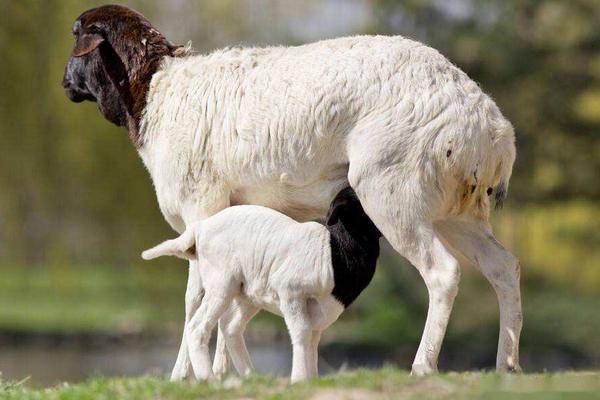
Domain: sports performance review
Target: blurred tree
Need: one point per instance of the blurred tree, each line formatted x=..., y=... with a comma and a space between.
x=74, y=189
x=540, y=60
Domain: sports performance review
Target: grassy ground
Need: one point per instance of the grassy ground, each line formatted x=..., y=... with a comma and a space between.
x=74, y=298
x=386, y=383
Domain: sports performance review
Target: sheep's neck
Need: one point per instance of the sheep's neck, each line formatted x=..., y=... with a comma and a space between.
x=134, y=94
x=353, y=260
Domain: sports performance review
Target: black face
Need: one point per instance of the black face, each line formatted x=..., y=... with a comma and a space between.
x=74, y=81
x=77, y=73
x=86, y=78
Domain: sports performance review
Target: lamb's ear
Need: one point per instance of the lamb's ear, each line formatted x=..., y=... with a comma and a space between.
x=171, y=248
x=86, y=43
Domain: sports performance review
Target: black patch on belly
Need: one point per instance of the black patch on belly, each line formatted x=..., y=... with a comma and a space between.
x=354, y=242
x=352, y=270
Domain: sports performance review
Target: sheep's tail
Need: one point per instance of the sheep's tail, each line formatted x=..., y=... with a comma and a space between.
x=501, y=192
x=483, y=168
x=182, y=247
x=504, y=154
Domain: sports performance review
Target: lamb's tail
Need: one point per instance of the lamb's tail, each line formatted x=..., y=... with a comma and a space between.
x=183, y=247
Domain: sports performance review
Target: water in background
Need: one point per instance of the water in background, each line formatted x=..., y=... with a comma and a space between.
x=47, y=364
x=47, y=360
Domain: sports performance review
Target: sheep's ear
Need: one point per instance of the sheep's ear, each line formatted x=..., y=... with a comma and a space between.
x=171, y=248
x=86, y=43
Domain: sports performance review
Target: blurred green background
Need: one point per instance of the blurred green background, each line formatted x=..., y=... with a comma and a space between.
x=77, y=206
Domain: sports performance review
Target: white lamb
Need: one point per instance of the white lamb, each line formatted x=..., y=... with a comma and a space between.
x=252, y=258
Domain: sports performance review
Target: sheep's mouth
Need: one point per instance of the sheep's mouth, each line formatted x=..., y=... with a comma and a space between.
x=77, y=97
x=75, y=93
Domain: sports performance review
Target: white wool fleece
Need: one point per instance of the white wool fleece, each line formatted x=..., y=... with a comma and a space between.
x=252, y=258
x=288, y=127
x=277, y=126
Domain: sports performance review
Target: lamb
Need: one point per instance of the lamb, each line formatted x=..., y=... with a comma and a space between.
x=252, y=257
x=289, y=127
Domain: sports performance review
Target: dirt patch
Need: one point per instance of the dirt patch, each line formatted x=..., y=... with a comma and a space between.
x=348, y=394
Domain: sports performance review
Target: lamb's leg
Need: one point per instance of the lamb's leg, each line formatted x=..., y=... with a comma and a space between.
x=213, y=305
x=314, y=354
x=295, y=313
x=215, y=199
x=220, y=361
x=233, y=324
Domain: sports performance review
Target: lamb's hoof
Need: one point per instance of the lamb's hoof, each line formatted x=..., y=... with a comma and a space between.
x=220, y=367
x=422, y=370
x=220, y=371
x=209, y=378
x=177, y=376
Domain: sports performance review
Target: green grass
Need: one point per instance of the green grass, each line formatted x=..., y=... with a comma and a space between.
x=139, y=298
x=559, y=243
x=386, y=383
x=72, y=298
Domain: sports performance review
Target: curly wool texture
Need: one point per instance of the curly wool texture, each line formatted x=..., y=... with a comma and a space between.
x=289, y=119
x=288, y=127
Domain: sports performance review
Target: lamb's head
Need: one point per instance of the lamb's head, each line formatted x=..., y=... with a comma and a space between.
x=115, y=55
x=346, y=210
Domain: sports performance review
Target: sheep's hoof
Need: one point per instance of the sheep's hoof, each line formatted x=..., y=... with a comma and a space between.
x=422, y=370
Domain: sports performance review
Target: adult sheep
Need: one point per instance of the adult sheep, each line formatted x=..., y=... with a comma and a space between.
x=288, y=127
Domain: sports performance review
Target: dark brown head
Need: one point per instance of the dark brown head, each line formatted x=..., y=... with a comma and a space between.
x=115, y=55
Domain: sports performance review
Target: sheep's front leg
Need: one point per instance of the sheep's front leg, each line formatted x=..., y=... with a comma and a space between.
x=193, y=297
x=295, y=313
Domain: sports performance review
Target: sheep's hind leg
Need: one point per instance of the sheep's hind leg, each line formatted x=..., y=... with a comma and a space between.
x=473, y=239
x=402, y=206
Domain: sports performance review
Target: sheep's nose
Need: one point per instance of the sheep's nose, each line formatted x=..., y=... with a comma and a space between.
x=67, y=81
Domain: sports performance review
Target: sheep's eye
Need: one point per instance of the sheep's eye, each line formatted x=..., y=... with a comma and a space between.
x=94, y=28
